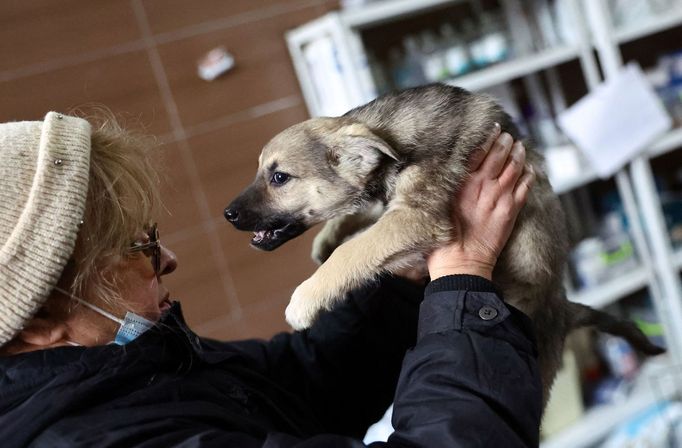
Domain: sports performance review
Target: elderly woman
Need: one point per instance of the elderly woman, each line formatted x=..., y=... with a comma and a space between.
x=93, y=353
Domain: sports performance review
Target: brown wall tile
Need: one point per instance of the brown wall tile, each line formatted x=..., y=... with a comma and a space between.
x=261, y=321
x=40, y=30
x=264, y=276
x=181, y=211
x=124, y=83
x=50, y=37
x=197, y=282
x=169, y=15
x=263, y=70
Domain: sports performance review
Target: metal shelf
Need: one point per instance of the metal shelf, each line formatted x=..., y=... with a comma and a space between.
x=652, y=26
x=586, y=175
x=677, y=259
x=668, y=142
x=386, y=11
x=514, y=68
x=655, y=383
x=612, y=290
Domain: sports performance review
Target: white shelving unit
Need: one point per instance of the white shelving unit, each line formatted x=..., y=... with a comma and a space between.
x=565, y=183
x=654, y=384
x=669, y=142
x=678, y=259
x=381, y=12
x=515, y=68
x=599, y=422
x=593, y=33
x=652, y=26
x=613, y=289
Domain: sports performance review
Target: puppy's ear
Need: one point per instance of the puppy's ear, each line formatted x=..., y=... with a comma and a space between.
x=357, y=147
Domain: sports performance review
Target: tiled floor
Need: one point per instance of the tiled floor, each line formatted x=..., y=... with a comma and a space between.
x=139, y=59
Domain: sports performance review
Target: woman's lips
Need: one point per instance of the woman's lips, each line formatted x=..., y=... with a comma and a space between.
x=165, y=304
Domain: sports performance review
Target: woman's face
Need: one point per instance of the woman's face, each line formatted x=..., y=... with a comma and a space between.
x=140, y=287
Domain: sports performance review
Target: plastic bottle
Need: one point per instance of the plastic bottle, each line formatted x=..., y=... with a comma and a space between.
x=588, y=263
x=457, y=60
x=475, y=44
x=412, y=63
x=494, y=41
x=619, y=256
x=433, y=58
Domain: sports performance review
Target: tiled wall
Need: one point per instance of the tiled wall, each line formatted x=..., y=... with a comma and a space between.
x=138, y=58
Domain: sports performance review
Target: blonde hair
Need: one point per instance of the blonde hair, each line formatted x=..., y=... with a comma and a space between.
x=123, y=199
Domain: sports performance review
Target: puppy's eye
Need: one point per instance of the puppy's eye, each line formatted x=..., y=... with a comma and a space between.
x=279, y=178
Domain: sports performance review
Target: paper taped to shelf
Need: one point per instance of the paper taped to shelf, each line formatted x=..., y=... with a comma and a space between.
x=614, y=123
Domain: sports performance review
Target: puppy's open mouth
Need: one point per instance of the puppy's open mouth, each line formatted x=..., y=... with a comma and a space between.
x=273, y=238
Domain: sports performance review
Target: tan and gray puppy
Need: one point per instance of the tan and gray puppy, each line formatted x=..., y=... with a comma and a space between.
x=393, y=166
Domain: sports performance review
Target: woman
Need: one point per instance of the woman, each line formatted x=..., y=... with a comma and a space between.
x=81, y=266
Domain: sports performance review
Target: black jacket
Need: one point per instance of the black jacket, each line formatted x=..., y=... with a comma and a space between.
x=470, y=379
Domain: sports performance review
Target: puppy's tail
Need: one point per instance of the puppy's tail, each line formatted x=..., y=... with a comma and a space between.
x=584, y=316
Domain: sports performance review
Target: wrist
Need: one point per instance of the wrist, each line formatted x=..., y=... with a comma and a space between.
x=466, y=267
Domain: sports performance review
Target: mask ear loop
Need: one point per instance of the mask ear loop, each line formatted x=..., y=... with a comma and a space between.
x=91, y=306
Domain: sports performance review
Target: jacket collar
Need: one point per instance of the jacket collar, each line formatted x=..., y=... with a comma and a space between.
x=170, y=344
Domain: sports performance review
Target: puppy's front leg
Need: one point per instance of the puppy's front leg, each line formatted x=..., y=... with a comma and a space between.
x=337, y=230
x=397, y=232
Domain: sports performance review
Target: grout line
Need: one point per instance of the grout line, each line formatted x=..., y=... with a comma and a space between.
x=231, y=22
x=258, y=111
x=251, y=113
x=162, y=38
x=180, y=134
x=70, y=61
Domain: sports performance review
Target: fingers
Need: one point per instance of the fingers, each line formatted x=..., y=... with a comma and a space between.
x=524, y=185
x=513, y=184
x=478, y=155
x=495, y=160
x=514, y=166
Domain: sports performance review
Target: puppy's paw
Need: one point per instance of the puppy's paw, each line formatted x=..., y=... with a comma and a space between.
x=304, y=306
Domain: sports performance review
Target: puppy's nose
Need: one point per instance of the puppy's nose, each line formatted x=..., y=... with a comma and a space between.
x=231, y=215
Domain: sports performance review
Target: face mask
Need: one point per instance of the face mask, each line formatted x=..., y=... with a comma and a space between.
x=130, y=327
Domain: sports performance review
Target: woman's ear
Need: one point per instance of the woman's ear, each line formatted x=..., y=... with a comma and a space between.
x=43, y=333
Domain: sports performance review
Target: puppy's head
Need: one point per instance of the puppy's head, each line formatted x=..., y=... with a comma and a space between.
x=307, y=174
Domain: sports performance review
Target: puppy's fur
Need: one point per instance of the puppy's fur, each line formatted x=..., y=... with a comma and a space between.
x=394, y=165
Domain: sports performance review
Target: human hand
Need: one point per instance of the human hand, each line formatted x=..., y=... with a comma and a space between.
x=485, y=208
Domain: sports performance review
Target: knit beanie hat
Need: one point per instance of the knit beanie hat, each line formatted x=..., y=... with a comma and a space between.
x=44, y=172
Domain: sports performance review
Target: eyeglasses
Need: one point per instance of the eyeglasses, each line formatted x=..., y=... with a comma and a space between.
x=152, y=249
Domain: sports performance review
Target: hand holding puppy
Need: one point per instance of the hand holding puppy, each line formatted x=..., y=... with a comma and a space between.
x=485, y=209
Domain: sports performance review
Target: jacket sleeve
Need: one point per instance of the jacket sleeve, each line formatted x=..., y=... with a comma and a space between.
x=346, y=366
x=471, y=379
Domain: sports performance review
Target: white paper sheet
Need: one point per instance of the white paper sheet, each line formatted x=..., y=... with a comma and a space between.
x=614, y=123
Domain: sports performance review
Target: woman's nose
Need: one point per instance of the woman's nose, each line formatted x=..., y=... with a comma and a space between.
x=169, y=261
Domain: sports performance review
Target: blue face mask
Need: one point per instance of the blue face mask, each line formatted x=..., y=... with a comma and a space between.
x=130, y=328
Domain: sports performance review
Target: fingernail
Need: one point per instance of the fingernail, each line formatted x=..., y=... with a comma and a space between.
x=517, y=150
x=506, y=136
x=496, y=126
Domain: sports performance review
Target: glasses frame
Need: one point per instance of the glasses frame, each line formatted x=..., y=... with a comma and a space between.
x=152, y=249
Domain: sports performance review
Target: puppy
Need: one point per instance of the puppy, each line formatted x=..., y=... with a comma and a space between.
x=392, y=167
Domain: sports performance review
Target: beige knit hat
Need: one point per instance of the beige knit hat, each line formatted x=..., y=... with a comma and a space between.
x=44, y=172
